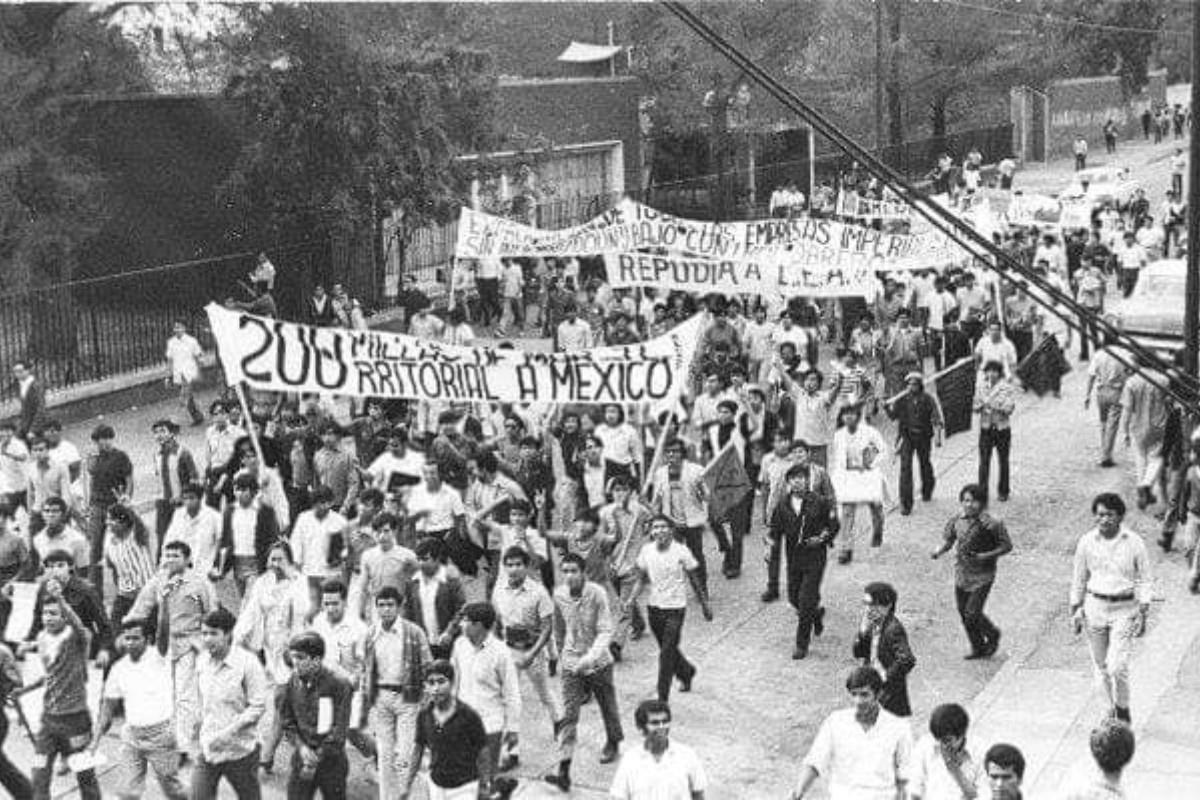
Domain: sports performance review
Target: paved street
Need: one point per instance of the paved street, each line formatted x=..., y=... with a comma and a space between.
x=754, y=711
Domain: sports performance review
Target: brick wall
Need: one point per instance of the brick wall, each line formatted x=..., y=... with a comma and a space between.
x=1083, y=105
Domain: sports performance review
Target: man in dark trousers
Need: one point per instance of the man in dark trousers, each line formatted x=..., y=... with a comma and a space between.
x=434, y=597
x=315, y=711
x=918, y=421
x=33, y=400
x=882, y=644
x=981, y=539
x=805, y=523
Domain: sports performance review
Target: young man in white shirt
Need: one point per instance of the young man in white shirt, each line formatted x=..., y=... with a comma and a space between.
x=1131, y=257
x=345, y=637
x=943, y=767
x=861, y=751
x=679, y=493
x=398, y=467
x=512, y=287
x=141, y=680
x=318, y=542
x=668, y=567
x=660, y=768
x=183, y=362
x=995, y=346
x=198, y=524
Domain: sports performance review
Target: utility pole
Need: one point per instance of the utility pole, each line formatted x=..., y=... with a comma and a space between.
x=879, y=140
x=1191, y=314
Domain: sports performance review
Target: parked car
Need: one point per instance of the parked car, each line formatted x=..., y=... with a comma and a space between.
x=1103, y=185
x=1153, y=314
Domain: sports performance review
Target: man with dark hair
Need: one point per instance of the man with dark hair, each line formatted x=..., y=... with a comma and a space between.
x=179, y=598
x=183, y=355
x=345, y=637
x=318, y=540
x=942, y=765
x=994, y=402
x=33, y=398
x=66, y=730
x=803, y=525
x=385, y=564
x=233, y=694
x=1005, y=768
x=127, y=552
x=174, y=468
x=314, y=709
x=668, y=567
x=198, y=524
x=336, y=469
x=852, y=764
x=248, y=529
x=434, y=597
x=680, y=494
x=660, y=767
x=980, y=539
x=83, y=598
x=624, y=526
x=918, y=421
x=525, y=615
x=397, y=655
x=220, y=448
x=141, y=682
x=109, y=481
x=583, y=627
x=14, y=455
x=882, y=645
x=1112, y=745
x=488, y=682
x=59, y=533
x=453, y=733
x=46, y=480
x=1111, y=589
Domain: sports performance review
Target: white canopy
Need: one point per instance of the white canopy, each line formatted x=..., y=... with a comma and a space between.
x=582, y=53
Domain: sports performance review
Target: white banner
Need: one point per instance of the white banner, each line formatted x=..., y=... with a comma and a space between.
x=738, y=277
x=630, y=227
x=850, y=204
x=281, y=356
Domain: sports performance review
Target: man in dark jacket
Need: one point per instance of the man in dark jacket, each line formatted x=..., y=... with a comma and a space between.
x=433, y=577
x=84, y=600
x=805, y=523
x=248, y=529
x=33, y=399
x=882, y=644
x=918, y=420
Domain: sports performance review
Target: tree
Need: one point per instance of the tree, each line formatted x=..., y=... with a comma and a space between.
x=348, y=126
x=51, y=196
x=1120, y=48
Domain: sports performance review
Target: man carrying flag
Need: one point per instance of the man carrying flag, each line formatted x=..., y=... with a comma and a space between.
x=731, y=498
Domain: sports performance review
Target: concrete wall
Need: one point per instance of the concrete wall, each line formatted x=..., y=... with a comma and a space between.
x=1083, y=105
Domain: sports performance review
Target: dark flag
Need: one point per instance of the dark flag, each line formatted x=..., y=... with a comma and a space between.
x=955, y=390
x=727, y=482
x=1041, y=371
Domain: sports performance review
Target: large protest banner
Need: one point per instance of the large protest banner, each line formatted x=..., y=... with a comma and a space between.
x=674, y=273
x=279, y=356
x=630, y=227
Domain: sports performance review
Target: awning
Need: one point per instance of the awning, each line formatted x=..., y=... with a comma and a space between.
x=581, y=53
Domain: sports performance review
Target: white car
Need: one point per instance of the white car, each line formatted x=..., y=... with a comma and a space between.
x=1103, y=185
x=1153, y=314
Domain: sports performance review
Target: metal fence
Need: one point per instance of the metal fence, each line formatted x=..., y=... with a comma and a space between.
x=89, y=330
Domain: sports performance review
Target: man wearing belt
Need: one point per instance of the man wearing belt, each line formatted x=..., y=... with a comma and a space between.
x=525, y=614
x=1111, y=587
x=181, y=598
x=396, y=659
x=141, y=680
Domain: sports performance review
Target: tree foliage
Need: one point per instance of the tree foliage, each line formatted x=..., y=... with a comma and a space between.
x=349, y=125
x=50, y=196
x=1118, y=49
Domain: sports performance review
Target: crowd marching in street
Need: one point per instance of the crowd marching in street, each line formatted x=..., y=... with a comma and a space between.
x=388, y=590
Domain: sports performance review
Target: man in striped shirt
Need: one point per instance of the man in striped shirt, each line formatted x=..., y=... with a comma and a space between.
x=127, y=553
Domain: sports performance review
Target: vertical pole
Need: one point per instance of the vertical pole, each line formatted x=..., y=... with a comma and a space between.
x=879, y=75
x=1191, y=317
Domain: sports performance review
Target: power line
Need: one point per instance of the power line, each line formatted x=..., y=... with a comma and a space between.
x=1065, y=22
x=945, y=221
